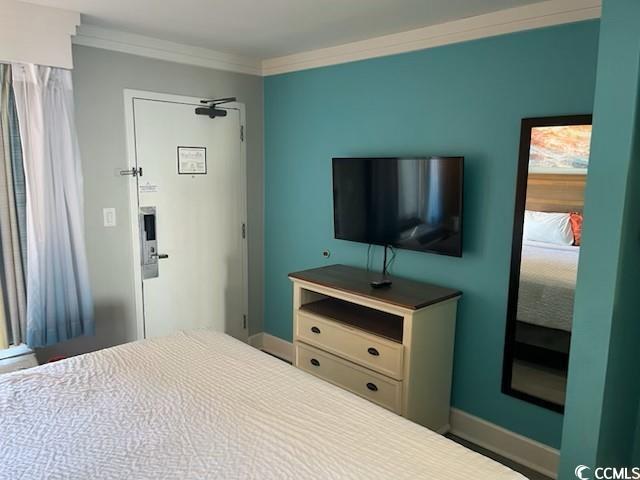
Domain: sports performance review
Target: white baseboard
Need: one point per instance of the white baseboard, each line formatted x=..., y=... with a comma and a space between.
x=273, y=345
x=278, y=347
x=520, y=449
x=256, y=340
x=18, y=363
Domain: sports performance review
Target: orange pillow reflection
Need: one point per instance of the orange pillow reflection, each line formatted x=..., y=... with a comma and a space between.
x=576, y=227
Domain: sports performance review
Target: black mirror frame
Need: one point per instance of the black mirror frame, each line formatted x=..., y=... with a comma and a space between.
x=516, y=250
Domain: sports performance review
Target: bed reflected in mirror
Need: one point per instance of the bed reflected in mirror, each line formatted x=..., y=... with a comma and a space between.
x=552, y=173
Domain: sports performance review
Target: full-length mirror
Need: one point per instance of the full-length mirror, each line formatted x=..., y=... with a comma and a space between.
x=552, y=174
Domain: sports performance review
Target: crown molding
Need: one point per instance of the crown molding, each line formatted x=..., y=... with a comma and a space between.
x=537, y=15
x=98, y=37
x=528, y=17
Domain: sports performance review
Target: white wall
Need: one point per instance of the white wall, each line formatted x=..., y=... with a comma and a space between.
x=99, y=77
x=35, y=34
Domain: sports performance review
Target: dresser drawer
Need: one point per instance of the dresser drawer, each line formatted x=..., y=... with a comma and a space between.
x=377, y=388
x=371, y=351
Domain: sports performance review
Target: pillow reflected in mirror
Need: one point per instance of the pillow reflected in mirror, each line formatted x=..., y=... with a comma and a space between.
x=576, y=226
x=548, y=227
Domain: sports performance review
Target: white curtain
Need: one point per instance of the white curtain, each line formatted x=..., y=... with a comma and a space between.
x=59, y=303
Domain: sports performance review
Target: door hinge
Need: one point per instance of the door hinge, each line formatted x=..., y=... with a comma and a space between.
x=244, y=230
x=133, y=171
x=244, y=321
x=242, y=133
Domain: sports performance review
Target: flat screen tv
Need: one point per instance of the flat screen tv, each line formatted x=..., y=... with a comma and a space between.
x=410, y=203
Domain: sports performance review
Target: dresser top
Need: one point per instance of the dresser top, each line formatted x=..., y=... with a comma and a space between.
x=402, y=292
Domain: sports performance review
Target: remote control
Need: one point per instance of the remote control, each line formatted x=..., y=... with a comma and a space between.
x=380, y=283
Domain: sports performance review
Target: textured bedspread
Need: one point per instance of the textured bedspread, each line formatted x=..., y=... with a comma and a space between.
x=202, y=405
x=547, y=284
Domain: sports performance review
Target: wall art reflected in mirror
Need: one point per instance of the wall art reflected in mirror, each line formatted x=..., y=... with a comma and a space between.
x=552, y=175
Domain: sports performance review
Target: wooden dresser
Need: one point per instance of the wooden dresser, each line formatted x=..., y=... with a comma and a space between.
x=392, y=345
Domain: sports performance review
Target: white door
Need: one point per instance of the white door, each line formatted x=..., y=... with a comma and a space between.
x=192, y=174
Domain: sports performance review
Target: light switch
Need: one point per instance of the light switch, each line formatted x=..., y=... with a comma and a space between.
x=109, y=216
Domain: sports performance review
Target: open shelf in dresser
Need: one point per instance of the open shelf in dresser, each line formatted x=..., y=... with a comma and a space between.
x=386, y=325
x=392, y=346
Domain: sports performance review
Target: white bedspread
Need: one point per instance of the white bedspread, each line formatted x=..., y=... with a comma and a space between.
x=547, y=284
x=203, y=405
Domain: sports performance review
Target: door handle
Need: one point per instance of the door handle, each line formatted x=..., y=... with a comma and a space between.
x=160, y=256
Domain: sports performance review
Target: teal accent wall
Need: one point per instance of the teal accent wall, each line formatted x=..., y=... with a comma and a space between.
x=604, y=384
x=463, y=99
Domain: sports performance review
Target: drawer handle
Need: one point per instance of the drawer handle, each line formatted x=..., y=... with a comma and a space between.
x=315, y=329
x=315, y=362
x=372, y=387
x=373, y=351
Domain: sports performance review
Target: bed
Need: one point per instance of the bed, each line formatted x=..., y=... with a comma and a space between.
x=200, y=405
x=547, y=284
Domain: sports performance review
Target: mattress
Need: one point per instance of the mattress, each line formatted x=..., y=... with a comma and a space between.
x=203, y=405
x=547, y=284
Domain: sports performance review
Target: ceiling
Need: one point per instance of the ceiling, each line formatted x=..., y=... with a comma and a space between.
x=273, y=28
